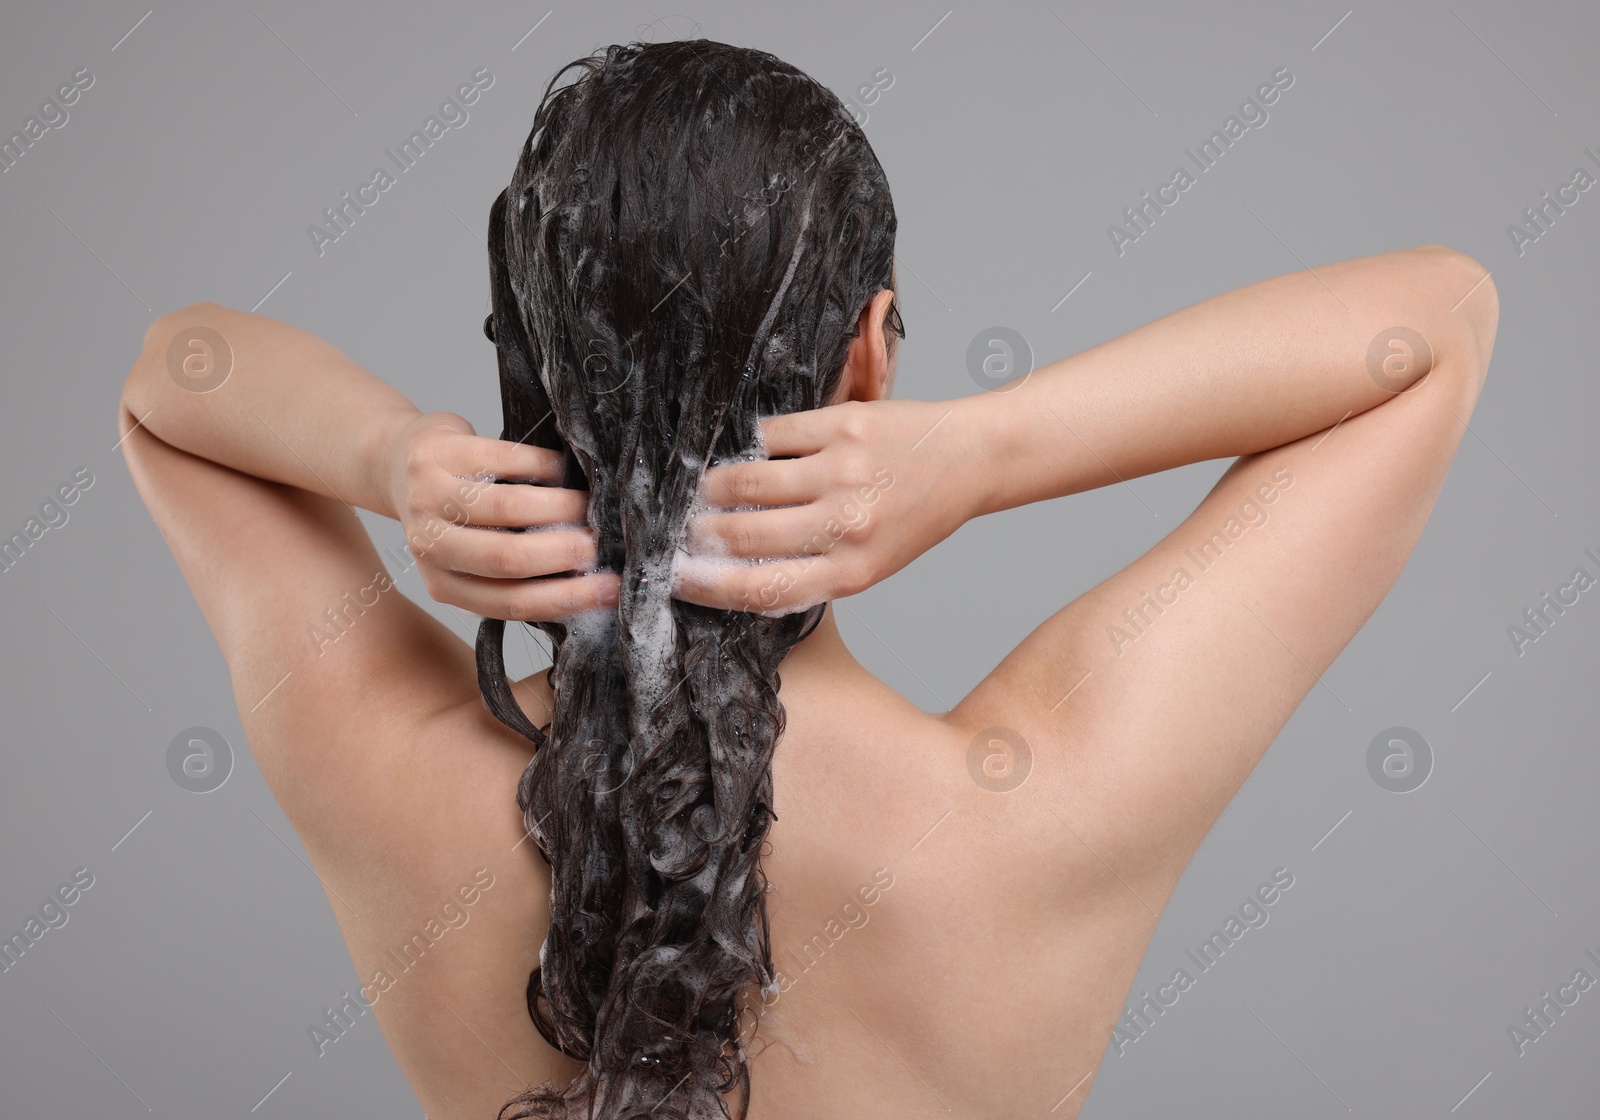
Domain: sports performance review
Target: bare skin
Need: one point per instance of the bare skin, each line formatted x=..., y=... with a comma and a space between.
x=984, y=976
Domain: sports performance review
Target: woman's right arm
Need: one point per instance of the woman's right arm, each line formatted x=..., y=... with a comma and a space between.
x=1241, y=372
x=876, y=484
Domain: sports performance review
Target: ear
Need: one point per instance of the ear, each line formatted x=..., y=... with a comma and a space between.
x=869, y=363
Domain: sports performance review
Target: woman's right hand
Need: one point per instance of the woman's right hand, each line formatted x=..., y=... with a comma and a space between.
x=442, y=483
x=849, y=495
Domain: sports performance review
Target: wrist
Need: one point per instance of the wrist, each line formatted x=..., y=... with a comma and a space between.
x=986, y=427
x=384, y=459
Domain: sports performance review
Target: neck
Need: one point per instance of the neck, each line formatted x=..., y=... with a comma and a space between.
x=820, y=652
x=824, y=645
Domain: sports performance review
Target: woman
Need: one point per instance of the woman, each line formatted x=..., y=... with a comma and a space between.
x=739, y=872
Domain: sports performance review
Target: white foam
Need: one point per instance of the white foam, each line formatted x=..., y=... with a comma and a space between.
x=650, y=640
x=712, y=562
x=591, y=623
x=705, y=557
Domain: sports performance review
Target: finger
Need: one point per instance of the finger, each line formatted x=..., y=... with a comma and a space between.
x=531, y=600
x=497, y=554
x=798, y=433
x=807, y=530
x=781, y=587
x=761, y=482
x=513, y=505
x=476, y=456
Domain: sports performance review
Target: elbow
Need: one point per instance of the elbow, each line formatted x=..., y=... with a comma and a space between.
x=1467, y=301
x=1479, y=306
x=162, y=329
x=128, y=401
x=134, y=394
x=1483, y=299
x=164, y=351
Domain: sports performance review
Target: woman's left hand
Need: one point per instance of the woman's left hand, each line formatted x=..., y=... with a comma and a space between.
x=454, y=493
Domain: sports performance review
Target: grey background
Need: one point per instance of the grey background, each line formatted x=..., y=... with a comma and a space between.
x=1418, y=929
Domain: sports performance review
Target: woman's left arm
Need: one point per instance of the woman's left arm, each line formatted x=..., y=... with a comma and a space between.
x=278, y=403
x=270, y=400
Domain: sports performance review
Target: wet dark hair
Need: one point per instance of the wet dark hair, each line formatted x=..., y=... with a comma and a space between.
x=687, y=244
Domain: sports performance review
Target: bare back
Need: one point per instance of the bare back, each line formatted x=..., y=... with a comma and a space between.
x=906, y=899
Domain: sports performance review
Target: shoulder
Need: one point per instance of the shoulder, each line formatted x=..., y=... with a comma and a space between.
x=348, y=692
